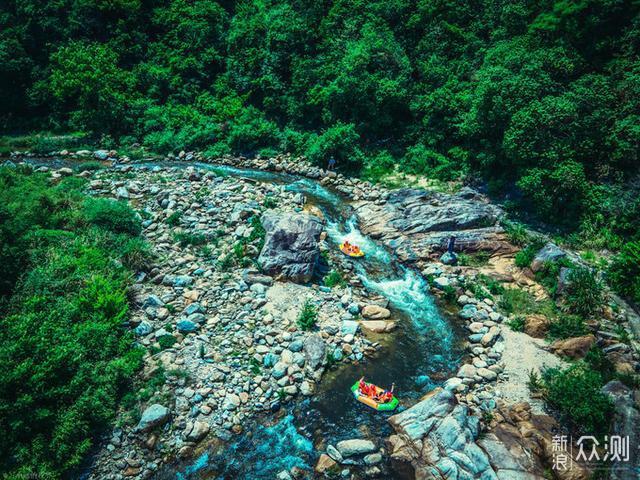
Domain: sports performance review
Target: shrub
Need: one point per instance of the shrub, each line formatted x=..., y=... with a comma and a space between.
x=575, y=393
x=334, y=278
x=584, y=292
x=420, y=159
x=566, y=326
x=187, y=238
x=525, y=256
x=308, y=316
x=520, y=302
x=174, y=219
x=112, y=215
x=166, y=341
x=516, y=233
x=624, y=272
x=516, y=323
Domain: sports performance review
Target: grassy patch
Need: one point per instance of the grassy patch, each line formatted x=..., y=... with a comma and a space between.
x=515, y=301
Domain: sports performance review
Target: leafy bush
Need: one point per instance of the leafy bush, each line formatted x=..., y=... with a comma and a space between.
x=575, y=393
x=520, y=302
x=624, y=272
x=517, y=323
x=166, y=341
x=517, y=233
x=308, y=316
x=174, y=219
x=334, y=278
x=583, y=294
x=67, y=358
x=188, y=238
x=525, y=256
x=566, y=326
x=112, y=215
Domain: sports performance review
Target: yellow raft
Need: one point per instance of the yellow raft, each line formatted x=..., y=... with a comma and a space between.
x=359, y=253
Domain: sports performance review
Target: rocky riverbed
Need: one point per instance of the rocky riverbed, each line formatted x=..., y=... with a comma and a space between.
x=225, y=337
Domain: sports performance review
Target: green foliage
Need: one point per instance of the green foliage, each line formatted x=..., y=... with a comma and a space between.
x=478, y=259
x=516, y=323
x=166, y=341
x=525, y=256
x=334, y=278
x=112, y=215
x=67, y=358
x=174, y=219
x=539, y=96
x=575, y=393
x=188, y=238
x=516, y=232
x=583, y=294
x=566, y=326
x=515, y=301
x=308, y=316
x=624, y=272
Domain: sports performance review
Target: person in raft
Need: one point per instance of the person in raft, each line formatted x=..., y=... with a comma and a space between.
x=351, y=248
x=369, y=390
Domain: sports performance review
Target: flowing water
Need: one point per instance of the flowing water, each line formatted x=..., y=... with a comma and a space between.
x=418, y=355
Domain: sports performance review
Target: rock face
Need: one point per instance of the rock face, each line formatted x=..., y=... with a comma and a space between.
x=625, y=423
x=291, y=246
x=418, y=224
x=155, y=415
x=520, y=445
x=438, y=438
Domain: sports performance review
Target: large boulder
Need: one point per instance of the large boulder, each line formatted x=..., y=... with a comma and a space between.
x=355, y=446
x=418, y=224
x=437, y=437
x=290, y=249
x=575, y=347
x=154, y=416
x=375, y=312
x=536, y=325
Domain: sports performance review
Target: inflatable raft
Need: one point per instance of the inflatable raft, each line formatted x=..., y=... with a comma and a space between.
x=381, y=407
x=359, y=253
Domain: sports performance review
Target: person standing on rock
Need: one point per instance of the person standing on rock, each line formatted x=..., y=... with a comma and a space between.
x=451, y=243
x=331, y=165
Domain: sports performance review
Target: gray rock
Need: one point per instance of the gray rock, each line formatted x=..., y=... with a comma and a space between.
x=469, y=312
x=439, y=435
x=314, y=351
x=449, y=258
x=549, y=253
x=101, y=154
x=182, y=281
x=187, y=326
x=291, y=245
x=143, y=329
x=154, y=416
x=198, y=432
x=355, y=446
x=626, y=419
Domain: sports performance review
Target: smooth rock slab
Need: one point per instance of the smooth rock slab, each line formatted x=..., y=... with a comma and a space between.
x=355, y=446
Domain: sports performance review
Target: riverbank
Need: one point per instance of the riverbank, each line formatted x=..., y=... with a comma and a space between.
x=494, y=373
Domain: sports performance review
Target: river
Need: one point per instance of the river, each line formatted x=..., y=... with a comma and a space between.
x=422, y=352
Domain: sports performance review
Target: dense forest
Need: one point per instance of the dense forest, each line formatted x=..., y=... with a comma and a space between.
x=540, y=98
